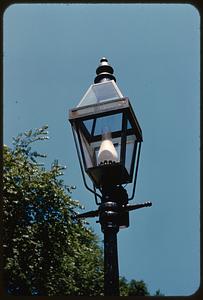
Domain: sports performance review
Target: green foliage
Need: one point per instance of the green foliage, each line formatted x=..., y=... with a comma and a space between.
x=133, y=288
x=124, y=286
x=137, y=288
x=158, y=293
x=45, y=251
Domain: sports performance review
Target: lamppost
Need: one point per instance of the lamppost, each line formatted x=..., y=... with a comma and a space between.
x=108, y=142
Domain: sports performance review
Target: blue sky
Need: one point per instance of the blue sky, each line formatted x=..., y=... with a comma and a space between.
x=51, y=52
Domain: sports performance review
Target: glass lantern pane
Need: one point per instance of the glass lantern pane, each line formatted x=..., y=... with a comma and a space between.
x=109, y=148
x=88, y=152
x=129, y=126
x=101, y=92
x=105, y=91
x=116, y=146
x=99, y=126
x=88, y=124
x=111, y=123
x=130, y=143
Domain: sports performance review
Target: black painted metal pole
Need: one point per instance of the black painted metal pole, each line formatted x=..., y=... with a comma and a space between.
x=111, y=271
x=108, y=217
x=113, y=214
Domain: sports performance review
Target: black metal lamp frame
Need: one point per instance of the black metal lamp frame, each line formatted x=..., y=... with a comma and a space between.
x=109, y=108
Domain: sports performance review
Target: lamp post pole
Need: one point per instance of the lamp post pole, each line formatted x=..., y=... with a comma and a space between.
x=108, y=219
x=113, y=212
x=111, y=271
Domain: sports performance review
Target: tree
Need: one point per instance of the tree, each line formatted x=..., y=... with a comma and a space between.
x=137, y=288
x=158, y=293
x=133, y=288
x=45, y=251
x=124, y=286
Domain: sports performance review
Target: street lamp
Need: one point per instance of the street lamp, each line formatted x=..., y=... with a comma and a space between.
x=108, y=142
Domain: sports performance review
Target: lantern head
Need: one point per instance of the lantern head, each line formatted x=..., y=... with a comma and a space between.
x=106, y=130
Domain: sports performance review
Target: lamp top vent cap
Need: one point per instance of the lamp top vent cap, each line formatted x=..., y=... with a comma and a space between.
x=104, y=71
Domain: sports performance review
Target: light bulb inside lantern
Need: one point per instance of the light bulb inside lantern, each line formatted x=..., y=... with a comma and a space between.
x=107, y=152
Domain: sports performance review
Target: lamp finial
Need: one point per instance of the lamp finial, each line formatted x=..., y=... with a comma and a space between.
x=104, y=71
